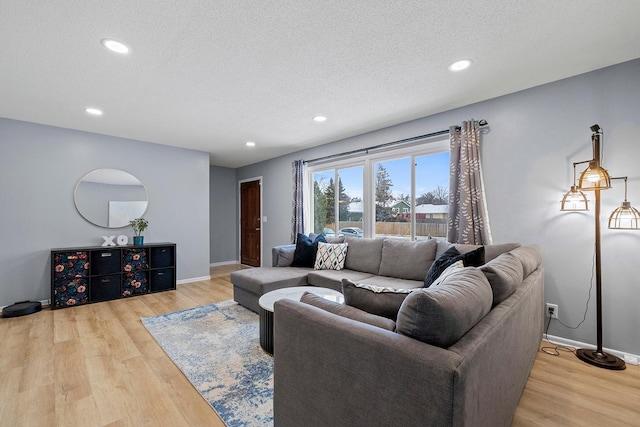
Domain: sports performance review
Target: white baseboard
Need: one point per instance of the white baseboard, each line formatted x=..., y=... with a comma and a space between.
x=192, y=279
x=218, y=264
x=577, y=344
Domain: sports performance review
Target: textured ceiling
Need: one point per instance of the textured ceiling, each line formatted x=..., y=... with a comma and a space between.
x=213, y=74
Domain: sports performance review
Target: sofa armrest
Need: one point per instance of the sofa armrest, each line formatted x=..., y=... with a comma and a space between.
x=277, y=252
x=330, y=370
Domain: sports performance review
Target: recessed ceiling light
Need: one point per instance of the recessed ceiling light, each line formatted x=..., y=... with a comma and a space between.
x=93, y=111
x=460, y=65
x=250, y=144
x=320, y=118
x=115, y=46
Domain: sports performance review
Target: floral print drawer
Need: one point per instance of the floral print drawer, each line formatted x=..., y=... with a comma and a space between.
x=68, y=265
x=134, y=260
x=70, y=292
x=135, y=283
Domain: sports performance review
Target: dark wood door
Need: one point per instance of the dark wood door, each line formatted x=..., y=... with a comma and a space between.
x=250, y=223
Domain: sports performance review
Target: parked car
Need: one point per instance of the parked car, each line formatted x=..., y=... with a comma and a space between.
x=328, y=232
x=351, y=231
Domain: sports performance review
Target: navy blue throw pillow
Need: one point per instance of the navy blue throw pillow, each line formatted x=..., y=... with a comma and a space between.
x=474, y=258
x=447, y=258
x=306, y=249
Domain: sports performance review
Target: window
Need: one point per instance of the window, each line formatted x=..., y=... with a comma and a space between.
x=432, y=195
x=392, y=189
x=402, y=192
x=323, y=206
x=350, y=202
x=347, y=183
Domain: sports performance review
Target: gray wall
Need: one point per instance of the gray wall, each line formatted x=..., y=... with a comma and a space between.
x=39, y=168
x=224, y=215
x=527, y=153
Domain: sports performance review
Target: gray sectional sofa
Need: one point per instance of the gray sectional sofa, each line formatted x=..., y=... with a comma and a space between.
x=342, y=366
x=390, y=262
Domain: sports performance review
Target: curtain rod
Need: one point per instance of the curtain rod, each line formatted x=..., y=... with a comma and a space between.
x=387, y=144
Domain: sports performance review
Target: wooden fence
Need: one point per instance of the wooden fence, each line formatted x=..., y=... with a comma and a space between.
x=427, y=227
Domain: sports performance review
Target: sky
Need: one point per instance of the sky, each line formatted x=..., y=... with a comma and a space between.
x=431, y=171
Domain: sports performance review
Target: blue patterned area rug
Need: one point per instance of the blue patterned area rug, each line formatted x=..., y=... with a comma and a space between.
x=217, y=347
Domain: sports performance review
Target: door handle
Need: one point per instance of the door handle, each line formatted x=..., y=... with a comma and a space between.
x=258, y=229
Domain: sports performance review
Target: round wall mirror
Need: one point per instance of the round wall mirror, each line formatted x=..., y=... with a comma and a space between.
x=110, y=198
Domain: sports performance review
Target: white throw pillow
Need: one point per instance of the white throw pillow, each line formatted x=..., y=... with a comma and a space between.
x=330, y=256
x=448, y=272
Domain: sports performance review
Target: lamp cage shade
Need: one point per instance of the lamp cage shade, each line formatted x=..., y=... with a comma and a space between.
x=625, y=217
x=595, y=177
x=574, y=200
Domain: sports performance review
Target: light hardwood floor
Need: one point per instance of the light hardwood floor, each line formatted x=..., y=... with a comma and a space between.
x=96, y=365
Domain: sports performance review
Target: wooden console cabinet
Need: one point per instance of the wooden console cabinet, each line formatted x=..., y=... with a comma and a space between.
x=92, y=274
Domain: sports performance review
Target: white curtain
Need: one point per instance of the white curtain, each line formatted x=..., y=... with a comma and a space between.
x=468, y=217
x=297, y=218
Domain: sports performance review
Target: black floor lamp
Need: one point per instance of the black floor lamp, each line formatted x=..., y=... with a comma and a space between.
x=595, y=178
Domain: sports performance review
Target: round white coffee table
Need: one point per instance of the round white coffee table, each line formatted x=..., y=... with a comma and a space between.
x=267, y=300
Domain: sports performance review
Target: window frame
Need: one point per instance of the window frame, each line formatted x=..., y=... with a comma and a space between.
x=367, y=160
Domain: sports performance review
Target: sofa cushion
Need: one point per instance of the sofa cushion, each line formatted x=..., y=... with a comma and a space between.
x=332, y=279
x=364, y=254
x=407, y=259
x=329, y=239
x=306, y=249
x=441, y=315
x=330, y=256
x=348, y=311
x=490, y=251
x=442, y=246
x=285, y=256
x=334, y=239
x=374, y=299
x=529, y=256
x=504, y=274
x=265, y=279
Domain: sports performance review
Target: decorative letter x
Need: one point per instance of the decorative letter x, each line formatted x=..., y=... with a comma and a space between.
x=108, y=241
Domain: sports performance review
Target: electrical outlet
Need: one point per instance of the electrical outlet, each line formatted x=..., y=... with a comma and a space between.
x=552, y=310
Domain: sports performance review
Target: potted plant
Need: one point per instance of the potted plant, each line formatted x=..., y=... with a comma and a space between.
x=138, y=225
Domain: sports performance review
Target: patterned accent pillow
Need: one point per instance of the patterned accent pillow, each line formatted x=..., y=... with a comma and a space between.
x=331, y=256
